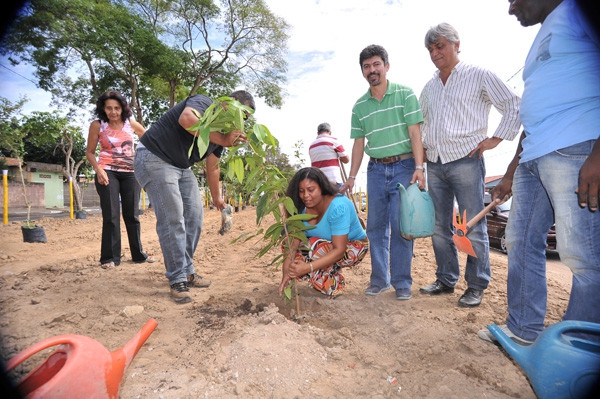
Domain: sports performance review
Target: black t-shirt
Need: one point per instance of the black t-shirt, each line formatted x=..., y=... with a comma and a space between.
x=170, y=142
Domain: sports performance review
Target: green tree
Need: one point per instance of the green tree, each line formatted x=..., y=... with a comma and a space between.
x=10, y=125
x=52, y=153
x=225, y=41
x=44, y=129
x=80, y=48
x=12, y=141
x=176, y=48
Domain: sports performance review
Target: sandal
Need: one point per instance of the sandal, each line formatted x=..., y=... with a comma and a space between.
x=108, y=265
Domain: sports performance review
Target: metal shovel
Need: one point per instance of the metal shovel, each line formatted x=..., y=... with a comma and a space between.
x=462, y=227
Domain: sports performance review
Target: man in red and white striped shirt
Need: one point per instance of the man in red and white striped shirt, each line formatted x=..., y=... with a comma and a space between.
x=326, y=152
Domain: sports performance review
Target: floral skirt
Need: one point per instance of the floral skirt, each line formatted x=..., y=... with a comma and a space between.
x=329, y=280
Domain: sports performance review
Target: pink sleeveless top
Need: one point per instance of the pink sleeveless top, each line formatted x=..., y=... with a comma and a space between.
x=116, y=148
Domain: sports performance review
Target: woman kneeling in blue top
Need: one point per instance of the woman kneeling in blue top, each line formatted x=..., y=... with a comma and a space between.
x=336, y=241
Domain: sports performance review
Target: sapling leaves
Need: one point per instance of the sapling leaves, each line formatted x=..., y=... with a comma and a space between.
x=224, y=115
x=268, y=184
x=287, y=291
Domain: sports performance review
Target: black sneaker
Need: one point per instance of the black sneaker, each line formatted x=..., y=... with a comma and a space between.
x=196, y=281
x=180, y=292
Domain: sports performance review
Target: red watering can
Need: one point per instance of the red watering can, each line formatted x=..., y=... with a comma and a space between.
x=80, y=367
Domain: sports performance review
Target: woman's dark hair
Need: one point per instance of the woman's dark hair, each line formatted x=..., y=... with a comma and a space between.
x=314, y=174
x=112, y=95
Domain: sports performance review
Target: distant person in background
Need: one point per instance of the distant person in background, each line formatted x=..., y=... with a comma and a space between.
x=115, y=181
x=386, y=126
x=326, y=152
x=456, y=105
x=555, y=174
x=336, y=241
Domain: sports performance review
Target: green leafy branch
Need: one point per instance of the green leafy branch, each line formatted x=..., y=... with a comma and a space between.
x=226, y=115
x=247, y=163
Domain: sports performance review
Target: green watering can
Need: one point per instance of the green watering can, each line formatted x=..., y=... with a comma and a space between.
x=559, y=366
x=417, y=217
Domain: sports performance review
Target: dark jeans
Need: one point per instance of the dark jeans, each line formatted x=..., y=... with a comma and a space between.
x=123, y=186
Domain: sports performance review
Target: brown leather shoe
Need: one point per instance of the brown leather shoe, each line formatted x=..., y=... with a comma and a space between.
x=437, y=288
x=180, y=292
x=470, y=298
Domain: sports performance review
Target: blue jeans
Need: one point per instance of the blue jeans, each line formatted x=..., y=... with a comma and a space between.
x=391, y=254
x=175, y=197
x=462, y=179
x=543, y=193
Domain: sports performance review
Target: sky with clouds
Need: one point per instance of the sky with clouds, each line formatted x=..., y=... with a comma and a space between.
x=324, y=77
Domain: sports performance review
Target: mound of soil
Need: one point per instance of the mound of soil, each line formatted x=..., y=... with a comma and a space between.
x=239, y=338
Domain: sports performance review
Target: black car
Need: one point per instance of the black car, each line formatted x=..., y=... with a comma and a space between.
x=496, y=224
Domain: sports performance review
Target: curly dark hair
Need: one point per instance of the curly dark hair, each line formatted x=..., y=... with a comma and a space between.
x=372, y=51
x=314, y=174
x=112, y=95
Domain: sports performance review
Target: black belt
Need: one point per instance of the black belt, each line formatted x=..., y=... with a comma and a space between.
x=393, y=159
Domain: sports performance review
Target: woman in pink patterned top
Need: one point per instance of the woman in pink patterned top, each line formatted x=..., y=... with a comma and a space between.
x=115, y=182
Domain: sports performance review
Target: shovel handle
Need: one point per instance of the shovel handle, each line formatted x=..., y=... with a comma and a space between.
x=350, y=196
x=481, y=214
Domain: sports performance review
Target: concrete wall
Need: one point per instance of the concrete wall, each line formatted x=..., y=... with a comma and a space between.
x=35, y=195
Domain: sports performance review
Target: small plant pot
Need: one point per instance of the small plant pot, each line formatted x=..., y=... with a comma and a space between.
x=80, y=214
x=35, y=234
x=243, y=207
x=237, y=208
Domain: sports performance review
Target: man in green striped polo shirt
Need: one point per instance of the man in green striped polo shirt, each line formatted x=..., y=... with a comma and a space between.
x=385, y=126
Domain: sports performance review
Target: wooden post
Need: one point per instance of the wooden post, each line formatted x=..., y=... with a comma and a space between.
x=5, y=185
x=71, y=214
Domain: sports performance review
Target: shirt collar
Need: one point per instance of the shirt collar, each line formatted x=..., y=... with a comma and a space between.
x=389, y=90
x=458, y=67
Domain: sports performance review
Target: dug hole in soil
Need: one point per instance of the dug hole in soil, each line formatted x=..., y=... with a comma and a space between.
x=238, y=338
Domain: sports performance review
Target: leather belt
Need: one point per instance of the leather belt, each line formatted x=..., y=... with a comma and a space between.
x=393, y=159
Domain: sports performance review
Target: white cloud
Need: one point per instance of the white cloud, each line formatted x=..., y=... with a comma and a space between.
x=328, y=35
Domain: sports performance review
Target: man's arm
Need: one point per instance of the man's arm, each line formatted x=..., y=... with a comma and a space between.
x=212, y=176
x=589, y=180
x=341, y=151
x=487, y=144
x=416, y=142
x=503, y=190
x=508, y=103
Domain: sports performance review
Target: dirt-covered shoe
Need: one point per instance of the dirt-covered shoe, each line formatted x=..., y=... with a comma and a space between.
x=196, y=281
x=180, y=292
x=374, y=290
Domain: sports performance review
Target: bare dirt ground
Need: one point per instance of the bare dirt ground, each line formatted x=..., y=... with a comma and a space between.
x=238, y=338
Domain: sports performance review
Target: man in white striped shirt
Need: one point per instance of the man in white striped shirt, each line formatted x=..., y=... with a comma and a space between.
x=326, y=152
x=456, y=104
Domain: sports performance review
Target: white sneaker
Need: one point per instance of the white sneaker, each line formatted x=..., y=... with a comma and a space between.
x=486, y=335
